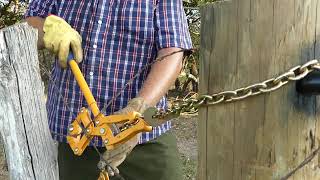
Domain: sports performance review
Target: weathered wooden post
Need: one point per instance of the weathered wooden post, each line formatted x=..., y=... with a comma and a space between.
x=30, y=150
x=262, y=137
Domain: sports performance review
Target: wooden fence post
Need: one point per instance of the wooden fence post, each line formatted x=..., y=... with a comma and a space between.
x=30, y=151
x=263, y=137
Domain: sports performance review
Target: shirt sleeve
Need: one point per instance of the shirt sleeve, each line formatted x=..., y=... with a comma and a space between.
x=171, y=25
x=40, y=8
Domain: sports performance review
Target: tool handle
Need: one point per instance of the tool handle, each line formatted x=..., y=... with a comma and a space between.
x=83, y=85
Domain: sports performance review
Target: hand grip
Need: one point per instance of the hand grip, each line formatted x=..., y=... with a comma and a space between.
x=83, y=84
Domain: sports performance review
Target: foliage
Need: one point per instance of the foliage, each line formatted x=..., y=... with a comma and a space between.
x=11, y=12
x=188, y=79
x=191, y=66
x=194, y=3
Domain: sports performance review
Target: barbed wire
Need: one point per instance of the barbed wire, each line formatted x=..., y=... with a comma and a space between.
x=302, y=164
x=191, y=103
x=93, y=143
x=106, y=105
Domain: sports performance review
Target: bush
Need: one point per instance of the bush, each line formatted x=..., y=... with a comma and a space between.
x=11, y=12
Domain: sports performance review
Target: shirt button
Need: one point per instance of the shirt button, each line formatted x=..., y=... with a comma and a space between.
x=95, y=46
x=91, y=73
x=99, y=22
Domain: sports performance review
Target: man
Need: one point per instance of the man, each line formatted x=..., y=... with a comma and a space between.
x=112, y=40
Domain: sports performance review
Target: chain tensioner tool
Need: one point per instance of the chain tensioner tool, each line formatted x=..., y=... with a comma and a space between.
x=84, y=128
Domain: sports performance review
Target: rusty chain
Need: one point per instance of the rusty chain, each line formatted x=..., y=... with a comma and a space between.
x=190, y=104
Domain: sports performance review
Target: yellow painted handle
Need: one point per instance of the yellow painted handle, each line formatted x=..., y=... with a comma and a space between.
x=84, y=87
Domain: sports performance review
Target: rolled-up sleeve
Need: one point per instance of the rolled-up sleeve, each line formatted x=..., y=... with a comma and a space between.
x=171, y=25
x=40, y=8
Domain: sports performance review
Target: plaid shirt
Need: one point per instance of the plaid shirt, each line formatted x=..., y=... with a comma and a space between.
x=119, y=37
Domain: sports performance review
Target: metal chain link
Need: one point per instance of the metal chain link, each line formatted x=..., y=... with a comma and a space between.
x=191, y=104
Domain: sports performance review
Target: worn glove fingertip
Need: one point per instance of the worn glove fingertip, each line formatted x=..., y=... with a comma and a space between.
x=79, y=56
x=63, y=64
x=63, y=61
x=116, y=171
x=64, y=49
x=77, y=50
x=110, y=171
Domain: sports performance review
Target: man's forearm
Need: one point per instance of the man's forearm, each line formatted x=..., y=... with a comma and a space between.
x=162, y=75
x=37, y=22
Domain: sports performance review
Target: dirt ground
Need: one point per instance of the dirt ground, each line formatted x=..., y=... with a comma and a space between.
x=184, y=128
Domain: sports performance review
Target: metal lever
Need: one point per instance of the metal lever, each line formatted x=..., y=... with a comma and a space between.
x=84, y=128
x=310, y=85
x=83, y=85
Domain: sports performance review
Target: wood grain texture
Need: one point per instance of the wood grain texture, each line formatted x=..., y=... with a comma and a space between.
x=30, y=150
x=266, y=136
x=203, y=88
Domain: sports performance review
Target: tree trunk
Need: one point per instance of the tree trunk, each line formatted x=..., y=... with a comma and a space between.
x=30, y=150
x=262, y=137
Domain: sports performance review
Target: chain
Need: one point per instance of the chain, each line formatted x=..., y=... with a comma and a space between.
x=191, y=103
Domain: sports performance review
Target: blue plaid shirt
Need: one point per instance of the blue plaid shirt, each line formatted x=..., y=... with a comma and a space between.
x=119, y=37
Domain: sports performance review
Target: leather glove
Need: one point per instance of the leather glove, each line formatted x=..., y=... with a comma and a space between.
x=116, y=156
x=59, y=36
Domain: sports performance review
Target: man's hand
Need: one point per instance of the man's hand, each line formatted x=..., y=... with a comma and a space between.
x=59, y=36
x=116, y=156
x=160, y=78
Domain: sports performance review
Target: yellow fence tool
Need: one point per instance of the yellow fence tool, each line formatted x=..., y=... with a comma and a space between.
x=84, y=128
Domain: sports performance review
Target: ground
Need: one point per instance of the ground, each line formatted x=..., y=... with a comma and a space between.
x=184, y=128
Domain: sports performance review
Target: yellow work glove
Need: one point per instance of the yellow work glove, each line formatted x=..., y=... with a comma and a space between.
x=59, y=36
x=116, y=156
